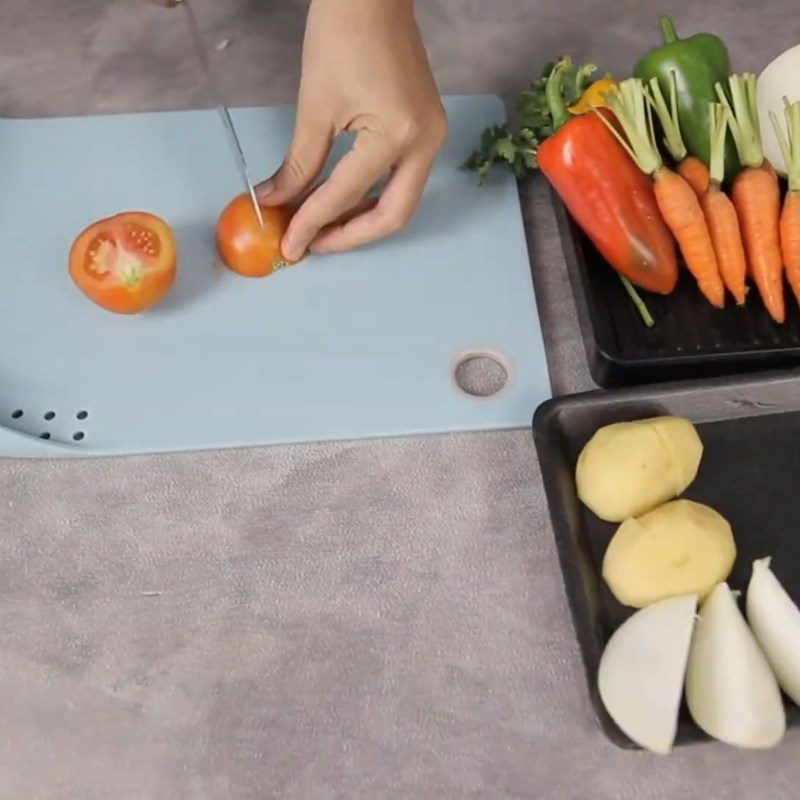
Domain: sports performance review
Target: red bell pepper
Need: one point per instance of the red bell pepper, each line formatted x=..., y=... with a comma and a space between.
x=608, y=196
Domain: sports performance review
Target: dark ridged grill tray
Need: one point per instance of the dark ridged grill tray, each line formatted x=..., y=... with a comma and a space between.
x=690, y=338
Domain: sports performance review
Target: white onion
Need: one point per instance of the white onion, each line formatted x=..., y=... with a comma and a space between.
x=642, y=670
x=730, y=689
x=780, y=79
x=775, y=621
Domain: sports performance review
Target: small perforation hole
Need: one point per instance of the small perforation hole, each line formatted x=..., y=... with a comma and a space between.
x=17, y=414
x=50, y=415
x=79, y=436
x=82, y=415
x=481, y=374
x=44, y=435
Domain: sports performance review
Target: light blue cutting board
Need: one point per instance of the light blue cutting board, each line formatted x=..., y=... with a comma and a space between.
x=349, y=346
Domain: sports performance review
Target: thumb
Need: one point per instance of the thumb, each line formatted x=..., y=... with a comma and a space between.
x=307, y=154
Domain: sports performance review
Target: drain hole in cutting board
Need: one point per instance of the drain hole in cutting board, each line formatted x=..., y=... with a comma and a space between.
x=482, y=374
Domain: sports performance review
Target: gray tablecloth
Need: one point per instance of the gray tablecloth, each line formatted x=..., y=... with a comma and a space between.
x=373, y=620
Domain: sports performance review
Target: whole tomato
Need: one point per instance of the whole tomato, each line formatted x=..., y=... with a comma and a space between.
x=244, y=245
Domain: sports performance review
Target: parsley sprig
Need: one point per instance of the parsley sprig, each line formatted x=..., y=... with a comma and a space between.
x=518, y=145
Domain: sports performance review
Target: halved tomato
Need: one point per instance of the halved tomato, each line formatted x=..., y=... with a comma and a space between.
x=125, y=263
x=244, y=245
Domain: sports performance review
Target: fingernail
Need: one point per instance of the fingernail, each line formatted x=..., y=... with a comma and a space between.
x=265, y=189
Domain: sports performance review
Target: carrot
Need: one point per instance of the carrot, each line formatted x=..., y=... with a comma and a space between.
x=726, y=236
x=756, y=195
x=695, y=173
x=676, y=199
x=790, y=240
x=790, y=216
x=720, y=213
x=690, y=168
x=678, y=203
x=757, y=201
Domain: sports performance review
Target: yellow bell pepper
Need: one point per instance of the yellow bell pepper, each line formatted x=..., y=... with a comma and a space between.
x=594, y=96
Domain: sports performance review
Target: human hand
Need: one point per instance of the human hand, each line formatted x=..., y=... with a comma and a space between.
x=365, y=70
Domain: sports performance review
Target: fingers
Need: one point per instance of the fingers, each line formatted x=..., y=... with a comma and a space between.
x=367, y=204
x=391, y=214
x=306, y=158
x=359, y=170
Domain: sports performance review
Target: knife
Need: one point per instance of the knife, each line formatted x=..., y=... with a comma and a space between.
x=222, y=108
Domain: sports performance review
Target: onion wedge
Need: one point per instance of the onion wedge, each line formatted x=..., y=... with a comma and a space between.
x=731, y=691
x=642, y=670
x=775, y=621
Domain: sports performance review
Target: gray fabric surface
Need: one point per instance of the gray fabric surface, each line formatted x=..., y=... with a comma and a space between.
x=371, y=620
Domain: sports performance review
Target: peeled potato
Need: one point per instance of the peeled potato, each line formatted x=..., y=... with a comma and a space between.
x=680, y=548
x=629, y=468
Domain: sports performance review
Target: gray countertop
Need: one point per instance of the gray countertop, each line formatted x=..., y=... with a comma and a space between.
x=381, y=619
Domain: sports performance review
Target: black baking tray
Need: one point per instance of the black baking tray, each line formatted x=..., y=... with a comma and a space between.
x=690, y=339
x=750, y=473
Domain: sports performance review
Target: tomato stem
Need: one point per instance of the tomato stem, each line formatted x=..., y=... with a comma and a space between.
x=131, y=274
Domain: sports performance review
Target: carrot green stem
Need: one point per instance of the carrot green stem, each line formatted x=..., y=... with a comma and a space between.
x=789, y=141
x=719, y=133
x=647, y=317
x=555, y=95
x=629, y=105
x=668, y=115
x=750, y=81
x=743, y=118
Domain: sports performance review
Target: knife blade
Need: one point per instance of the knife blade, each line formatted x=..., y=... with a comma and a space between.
x=224, y=113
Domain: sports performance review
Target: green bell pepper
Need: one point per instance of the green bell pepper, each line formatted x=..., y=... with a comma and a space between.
x=697, y=63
